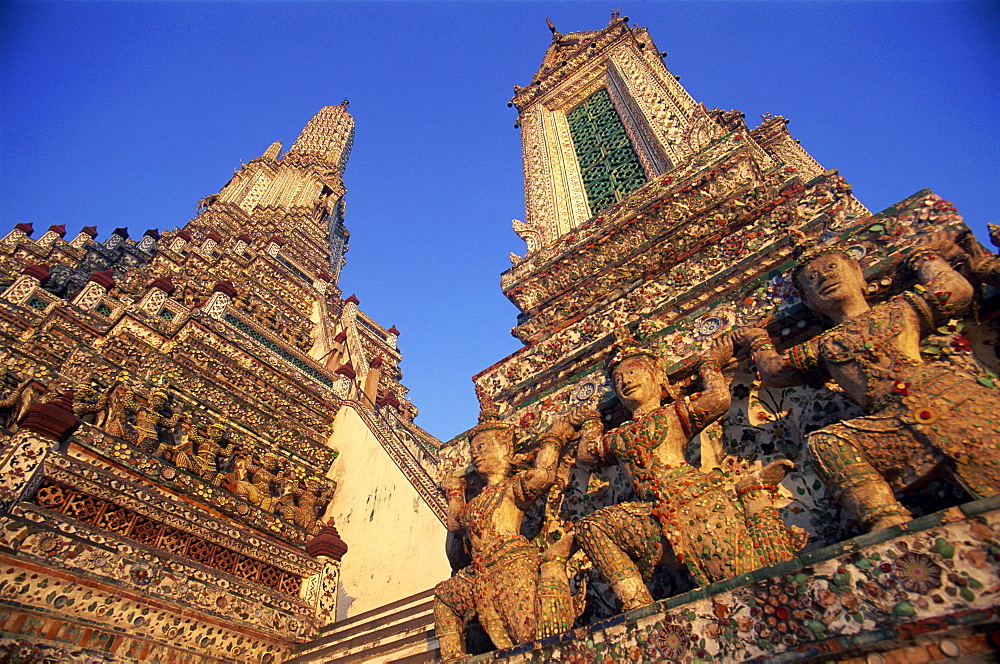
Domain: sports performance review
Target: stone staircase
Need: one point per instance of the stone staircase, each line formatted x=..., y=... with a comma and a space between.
x=401, y=632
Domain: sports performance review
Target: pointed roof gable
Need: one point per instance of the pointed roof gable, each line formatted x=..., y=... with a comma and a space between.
x=561, y=48
x=564, y=48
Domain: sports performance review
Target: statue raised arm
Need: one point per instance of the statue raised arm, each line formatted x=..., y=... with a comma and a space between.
x=684, y=518
x=519, y=593
x=921, y=418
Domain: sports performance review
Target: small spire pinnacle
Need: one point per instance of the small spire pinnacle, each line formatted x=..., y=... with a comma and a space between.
x=552, y=28
x=272, y=151
x=616, y=14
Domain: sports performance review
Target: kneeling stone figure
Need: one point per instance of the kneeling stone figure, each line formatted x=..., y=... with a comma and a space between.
x=685, y=518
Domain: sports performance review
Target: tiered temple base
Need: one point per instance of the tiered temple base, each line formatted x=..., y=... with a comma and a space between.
x=926, y=591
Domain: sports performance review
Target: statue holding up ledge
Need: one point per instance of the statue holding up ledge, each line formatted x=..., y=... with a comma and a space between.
x=712, y=524
x=150, y=427
x=519, y=593
x=199, y=456
x=921, y=419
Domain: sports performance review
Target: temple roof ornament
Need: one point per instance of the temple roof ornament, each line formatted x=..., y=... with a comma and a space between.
x=556, y=35
x=327, y=543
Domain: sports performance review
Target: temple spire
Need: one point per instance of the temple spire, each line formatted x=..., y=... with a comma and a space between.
x=272, y=151
x=328, y=135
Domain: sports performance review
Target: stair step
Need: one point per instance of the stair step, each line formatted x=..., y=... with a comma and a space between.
x=317, y=651
x=386, y=608
x=419, y=658
x=378, y=622
x=426, y=637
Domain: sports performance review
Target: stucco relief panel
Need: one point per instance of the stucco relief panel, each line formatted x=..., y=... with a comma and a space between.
x=666, y=107
x=537, y=193
x=572, y=178
x=562, y=219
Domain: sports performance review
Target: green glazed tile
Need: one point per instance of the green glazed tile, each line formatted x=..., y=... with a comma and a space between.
x=726, y=585
x=977, y=507
x=877, y=537
x=819, y=555
x=780, y=569
x=922, y=523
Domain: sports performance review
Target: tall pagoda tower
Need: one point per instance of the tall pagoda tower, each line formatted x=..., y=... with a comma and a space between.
x=182, y=415
x=652, y=216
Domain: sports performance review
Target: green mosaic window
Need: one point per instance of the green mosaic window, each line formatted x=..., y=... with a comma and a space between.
x=103, y=309
x=166, y=314
x=276, y=349
x=611, y=170
x=35, y=303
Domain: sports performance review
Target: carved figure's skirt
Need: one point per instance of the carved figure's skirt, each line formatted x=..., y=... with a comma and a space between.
x=505, y=591
x=704, y=523
x=630, y=528
x=456, y=592
x=947, y=417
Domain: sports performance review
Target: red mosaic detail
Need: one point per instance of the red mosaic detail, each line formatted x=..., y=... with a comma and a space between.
x=122, y=521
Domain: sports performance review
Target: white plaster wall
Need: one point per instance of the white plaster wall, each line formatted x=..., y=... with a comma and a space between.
x=395, y=543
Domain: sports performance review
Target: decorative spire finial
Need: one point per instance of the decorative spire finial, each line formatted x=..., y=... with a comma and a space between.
x=552, y=28
x=625, y=346
x=487, y=409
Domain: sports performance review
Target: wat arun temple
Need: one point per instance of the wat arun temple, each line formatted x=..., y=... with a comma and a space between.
x=751, y=420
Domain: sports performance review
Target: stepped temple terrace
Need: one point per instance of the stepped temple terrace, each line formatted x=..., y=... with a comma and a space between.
x=750, y=418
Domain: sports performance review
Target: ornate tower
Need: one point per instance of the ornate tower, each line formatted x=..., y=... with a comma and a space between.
x=602, y=117
x=181, y=415
x=650, y=215
x=632, y=189
x=300, y=195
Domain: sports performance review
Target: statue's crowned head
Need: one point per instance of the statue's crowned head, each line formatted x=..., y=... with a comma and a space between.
x=491, y=442
x=638, y=374
x=158, y=399
x=489, y=417
x=269, y=460
x=826, y=276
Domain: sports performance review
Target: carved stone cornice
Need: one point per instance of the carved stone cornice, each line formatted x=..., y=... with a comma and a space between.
x=625, y=229
x=609, y=220
x=585, y=47
x=163, y=507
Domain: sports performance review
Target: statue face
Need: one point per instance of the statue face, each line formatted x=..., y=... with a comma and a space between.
x=830, y=283
x=637, y=382
x=490, y=451
x=157, y=402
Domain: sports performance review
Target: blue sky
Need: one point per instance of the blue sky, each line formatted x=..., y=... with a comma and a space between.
x=127, y=113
